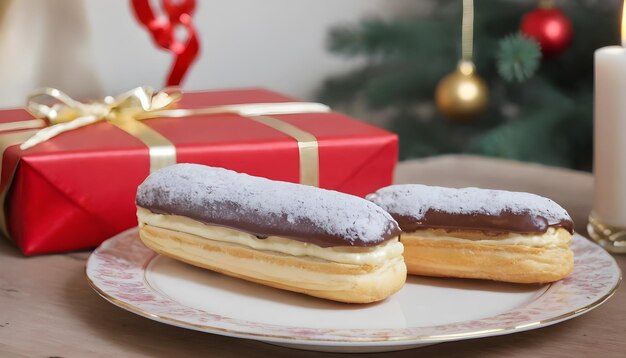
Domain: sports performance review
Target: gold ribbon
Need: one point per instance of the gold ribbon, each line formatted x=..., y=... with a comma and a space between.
x=30, y=124
x=307, y=148
x=126, y=112
x=161, y=151
x=128, y=109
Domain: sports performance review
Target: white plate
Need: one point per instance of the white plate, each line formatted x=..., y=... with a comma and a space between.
x=425, y=311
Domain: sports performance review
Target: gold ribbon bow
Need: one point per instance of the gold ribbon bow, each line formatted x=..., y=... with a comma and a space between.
x=65, y=113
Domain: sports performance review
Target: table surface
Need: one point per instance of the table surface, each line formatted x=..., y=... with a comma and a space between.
x=47, y=308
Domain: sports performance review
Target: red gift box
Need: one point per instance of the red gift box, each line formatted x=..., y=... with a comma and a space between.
x=77, y=189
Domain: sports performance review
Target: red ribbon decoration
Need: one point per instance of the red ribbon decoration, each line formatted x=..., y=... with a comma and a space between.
x=162, y=30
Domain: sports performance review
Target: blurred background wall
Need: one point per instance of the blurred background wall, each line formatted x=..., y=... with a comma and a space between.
x=92, y=47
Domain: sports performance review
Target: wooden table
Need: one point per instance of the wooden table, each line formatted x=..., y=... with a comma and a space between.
x=48, y=310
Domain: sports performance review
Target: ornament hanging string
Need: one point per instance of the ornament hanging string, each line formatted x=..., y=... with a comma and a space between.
x=163, y=28
x=546, y=4
x=467, y=31
x=462, y=94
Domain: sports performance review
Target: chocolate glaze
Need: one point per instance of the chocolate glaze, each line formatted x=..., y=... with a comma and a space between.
x=263, y=207
x=493, y=212
x=491, y=225
x=263, y=227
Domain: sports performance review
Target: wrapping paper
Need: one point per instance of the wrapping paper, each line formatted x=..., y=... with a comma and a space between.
x=77, y=189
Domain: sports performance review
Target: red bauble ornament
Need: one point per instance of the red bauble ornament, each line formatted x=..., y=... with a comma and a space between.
x=550, y=27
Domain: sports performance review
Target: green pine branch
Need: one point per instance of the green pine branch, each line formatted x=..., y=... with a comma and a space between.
x=518, y=58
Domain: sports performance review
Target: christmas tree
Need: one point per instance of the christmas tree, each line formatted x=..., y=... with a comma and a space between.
x=540, y=108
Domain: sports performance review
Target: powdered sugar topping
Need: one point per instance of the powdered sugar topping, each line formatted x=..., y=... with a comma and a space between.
x=265, y=207
x=416, y=200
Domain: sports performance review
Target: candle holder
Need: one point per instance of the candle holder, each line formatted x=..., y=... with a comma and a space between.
x=611, y=238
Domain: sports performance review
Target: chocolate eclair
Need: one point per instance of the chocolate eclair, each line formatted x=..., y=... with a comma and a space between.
x=290, y=236
x=478, y=233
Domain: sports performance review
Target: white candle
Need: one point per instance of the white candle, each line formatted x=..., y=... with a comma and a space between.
x=609, y=200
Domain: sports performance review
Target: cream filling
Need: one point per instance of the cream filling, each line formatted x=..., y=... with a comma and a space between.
x=270, y=272
x=550, y=238
x=374, y=256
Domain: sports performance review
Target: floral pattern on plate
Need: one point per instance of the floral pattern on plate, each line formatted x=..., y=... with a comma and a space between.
x=117, y=271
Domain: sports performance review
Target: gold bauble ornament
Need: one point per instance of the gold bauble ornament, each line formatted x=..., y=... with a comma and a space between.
x=462, y=95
